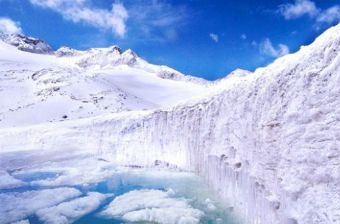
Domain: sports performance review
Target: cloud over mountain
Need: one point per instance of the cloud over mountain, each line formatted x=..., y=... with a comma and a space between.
x=8, y=26
x=80, y=11
x=307, y=7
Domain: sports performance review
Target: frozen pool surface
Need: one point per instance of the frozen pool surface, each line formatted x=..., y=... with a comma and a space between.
x=91, y=190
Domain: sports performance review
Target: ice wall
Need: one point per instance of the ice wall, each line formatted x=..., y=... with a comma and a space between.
x=269, y=142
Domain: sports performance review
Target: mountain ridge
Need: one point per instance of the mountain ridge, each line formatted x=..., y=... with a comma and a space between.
x=111, y=81
x=83, y=83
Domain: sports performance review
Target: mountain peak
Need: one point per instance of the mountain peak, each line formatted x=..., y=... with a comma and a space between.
x=66, y=51
x=130, y=52
x=25, y=43
x=115, y=48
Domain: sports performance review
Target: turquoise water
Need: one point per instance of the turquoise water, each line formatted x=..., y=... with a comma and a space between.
x=185, y=185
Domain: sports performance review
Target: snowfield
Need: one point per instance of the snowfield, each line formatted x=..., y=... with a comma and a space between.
x=267, y=141
x=39, y=88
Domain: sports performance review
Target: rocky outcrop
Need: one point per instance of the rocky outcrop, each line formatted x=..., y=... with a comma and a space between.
x=25, y=43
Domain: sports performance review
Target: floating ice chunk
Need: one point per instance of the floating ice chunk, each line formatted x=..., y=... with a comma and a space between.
x=75, y=172
x=8, y=182
x=210, y=205
x=68, y=212
x=17, y=206
x=165, y=215
x=153, y=206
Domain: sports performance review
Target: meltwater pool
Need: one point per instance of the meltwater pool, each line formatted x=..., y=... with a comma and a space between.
x=94, y=191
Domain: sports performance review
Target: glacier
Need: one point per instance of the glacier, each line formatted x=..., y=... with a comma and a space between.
x=267, y=141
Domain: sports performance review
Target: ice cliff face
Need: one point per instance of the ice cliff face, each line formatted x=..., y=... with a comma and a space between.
x=268, y=142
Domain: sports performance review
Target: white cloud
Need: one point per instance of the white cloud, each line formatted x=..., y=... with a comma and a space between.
x=8, y=26
x=80, y=11
x=329, y=15
x=148, y=20
x=308, y=7
x=267, y=48
x=156, y=20
x=298, y=9
x=243, y=36
x=214, y=37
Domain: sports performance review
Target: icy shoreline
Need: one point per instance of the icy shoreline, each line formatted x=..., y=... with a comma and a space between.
x=84, y=188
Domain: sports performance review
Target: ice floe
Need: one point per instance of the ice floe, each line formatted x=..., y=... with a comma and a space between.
x=16, y=206
x=68, y=212
x=153, y=206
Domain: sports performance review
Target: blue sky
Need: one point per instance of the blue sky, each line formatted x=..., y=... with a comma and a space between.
x=206, y=38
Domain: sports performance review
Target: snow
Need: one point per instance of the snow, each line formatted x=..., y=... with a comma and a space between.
x=80, y=170
x=68, y=212
x=80, y=84
x=153, y=206
x=12, y=58
x=28, y=44
x=267, y=141
x=21, y=205
x=74, y=172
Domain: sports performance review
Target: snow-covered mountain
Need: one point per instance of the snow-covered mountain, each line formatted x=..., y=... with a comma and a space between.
x=46, y=86
x=267, y=141
x=25, y=43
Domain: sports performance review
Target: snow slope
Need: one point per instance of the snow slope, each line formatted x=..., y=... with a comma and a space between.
x=268, y=141
x=70, y=84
